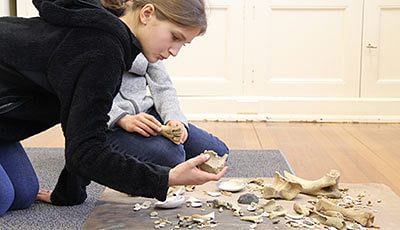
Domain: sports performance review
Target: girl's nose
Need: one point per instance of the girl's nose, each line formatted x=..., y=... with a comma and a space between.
x=174, y=50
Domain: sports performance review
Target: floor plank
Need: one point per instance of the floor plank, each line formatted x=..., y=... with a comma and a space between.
x=237, y=135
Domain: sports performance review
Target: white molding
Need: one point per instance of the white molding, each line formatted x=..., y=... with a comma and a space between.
x=292, y=109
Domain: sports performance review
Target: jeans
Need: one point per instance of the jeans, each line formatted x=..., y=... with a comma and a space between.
x=19, y=184
x=160, y=150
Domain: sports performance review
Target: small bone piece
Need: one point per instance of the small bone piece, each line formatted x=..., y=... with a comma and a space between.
x=274, y=214
x=173, y=133
x=325, y=186
x=332, y=221
x=365, y=218
x=203, y=218
x=270, y=206
x=176, y=190
x=255, y=219
x=213, y=194
x=281, y=188
x=301, y=209
x=189, y=188
x=215, y=163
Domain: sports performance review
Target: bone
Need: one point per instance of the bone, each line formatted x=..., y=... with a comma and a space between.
x=325, y=186
x=365, y=218
x=275, y=214
x=270, y=206
x=173, y=133
x=255, y=219
x=301, y=209
x=282, y=188
x=332, y=221
x=215, y=163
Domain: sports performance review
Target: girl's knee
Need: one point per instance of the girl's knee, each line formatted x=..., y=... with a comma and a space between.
x=222, y=148
x=172, y=156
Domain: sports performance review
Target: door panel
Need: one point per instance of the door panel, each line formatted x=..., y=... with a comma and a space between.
x=304, y=48
x=381, y=49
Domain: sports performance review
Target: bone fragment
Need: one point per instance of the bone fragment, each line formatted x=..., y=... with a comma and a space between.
x=336, y=222
x=325, y=186
x=255, y=219
x=173, y=133
x=274, y=214
x=270, y=206
x=365, y=218
x=281, y=188
x=301, y=209
x=215, y=163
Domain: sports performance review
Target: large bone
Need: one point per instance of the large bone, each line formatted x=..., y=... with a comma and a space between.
x=173, y=133
x=365, y=218
x=325, y=186
x=281, y=188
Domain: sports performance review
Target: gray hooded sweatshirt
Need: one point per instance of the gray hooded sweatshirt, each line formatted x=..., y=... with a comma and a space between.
x=132, y=97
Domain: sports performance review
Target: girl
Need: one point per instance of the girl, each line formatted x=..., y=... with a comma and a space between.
x=135, y=116
x=66, y=66
x=135, y=119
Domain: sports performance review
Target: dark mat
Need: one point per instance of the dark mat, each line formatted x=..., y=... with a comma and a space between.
x=256, y=163
x=48, y=163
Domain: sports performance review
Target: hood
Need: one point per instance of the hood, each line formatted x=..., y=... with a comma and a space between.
x=86, y=14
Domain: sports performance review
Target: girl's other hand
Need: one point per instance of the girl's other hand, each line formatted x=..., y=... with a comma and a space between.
x=184, y=134
x=142, y=123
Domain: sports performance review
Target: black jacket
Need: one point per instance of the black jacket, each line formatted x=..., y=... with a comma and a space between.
x=66, y=66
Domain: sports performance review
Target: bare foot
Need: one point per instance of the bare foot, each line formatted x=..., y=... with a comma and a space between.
x=44, y=195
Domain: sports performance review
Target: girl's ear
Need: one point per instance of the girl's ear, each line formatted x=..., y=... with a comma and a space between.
x=146, y=13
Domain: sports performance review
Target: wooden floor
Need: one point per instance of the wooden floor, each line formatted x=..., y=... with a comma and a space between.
x=361, y=152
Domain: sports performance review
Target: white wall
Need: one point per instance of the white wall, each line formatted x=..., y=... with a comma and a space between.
x=4, y=8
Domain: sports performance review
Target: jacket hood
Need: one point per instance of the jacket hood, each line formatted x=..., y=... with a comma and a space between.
x=86, y=14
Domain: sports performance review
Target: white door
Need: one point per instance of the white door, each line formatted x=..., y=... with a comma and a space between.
x=381, y=49
x=303, y=48
x=212, y=64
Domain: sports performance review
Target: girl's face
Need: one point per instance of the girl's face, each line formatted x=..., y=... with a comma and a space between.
x=160, y=39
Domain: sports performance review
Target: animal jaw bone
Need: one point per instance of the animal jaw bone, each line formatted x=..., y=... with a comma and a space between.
x=325, y=186
x=365, y=218
x=215, y=163
x=173, y=133
x=281, y=188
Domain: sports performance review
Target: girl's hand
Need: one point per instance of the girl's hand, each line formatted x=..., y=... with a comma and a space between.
x=184, y=134
x=187, y=173
x=142, y=123
x=44, y=195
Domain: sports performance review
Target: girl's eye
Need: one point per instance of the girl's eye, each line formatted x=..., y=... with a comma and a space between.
x=174, y=37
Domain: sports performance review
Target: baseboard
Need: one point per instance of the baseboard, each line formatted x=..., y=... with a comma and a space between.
x=292, y=109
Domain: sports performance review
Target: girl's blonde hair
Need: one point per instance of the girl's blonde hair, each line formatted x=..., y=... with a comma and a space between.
x=186, y=13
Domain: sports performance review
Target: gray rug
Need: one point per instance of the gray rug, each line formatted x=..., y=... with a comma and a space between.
x=48, y=163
